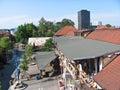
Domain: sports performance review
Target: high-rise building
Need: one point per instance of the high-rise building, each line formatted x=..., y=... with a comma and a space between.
x=83, y=19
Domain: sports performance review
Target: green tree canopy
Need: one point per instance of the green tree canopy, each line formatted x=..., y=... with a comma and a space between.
x=47, y=46
x=23, y=65
x=25, y=31
x=5, y=49
x=67, y=22
x=45, y=28
x=108, y=25
x=28, y=51
x=5, y=43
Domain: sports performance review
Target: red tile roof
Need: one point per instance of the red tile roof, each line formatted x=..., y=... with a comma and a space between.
x=108, y=34
x=67, y=30
x=104, y=27
x=109, y=77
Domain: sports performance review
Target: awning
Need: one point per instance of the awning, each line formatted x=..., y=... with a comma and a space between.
x=43, y=58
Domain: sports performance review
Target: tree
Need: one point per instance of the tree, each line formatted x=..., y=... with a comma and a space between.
x=67, y=22
x=45, y=28
x=29, y=51
x=25, y=31
x=23, y=65
x=5, y=43
x=42, y=27
x=47, y=46
x=108, y=25
x=57, y=26
x=21, y=34
x=5, y=49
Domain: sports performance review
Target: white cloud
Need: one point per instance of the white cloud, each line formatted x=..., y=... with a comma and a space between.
x=106, y=18
x=14, y=21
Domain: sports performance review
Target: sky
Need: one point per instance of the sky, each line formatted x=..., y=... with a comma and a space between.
x=17, y=12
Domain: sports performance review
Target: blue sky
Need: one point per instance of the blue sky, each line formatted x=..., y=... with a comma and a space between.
x=16, y=12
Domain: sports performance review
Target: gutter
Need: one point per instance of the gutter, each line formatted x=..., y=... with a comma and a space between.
x=92, y=57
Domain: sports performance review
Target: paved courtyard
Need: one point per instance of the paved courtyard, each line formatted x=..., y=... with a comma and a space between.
x=43, y=84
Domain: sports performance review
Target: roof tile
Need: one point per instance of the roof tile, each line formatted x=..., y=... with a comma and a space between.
x=109, y=35
x=109, y=77
x=67, y=30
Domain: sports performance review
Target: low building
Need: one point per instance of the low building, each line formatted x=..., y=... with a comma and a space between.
x=37, y=41
x=89, y=54
x=72, y=31
x=43, y=60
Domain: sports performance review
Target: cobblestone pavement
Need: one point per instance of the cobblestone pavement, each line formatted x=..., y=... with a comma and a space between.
x=43, y=84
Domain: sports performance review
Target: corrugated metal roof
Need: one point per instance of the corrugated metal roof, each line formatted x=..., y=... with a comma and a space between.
x=37, y=41
x=43, y=58
x=76, y=48
x=109, y=77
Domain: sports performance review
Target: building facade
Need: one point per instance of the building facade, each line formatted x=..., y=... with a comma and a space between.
x=83, y=19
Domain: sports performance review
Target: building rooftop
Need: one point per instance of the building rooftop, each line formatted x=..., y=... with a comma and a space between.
x=43, y=58
x=106, y=34
x=3, y=33
x=109, y=77
x=77, y=48
x=37, y=41
x=33, y=70
x=67, y=30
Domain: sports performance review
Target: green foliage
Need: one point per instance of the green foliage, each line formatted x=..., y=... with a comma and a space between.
x=67, y=22
x=44, y=29
x=108, y=25
x=24, y=57
x=47, y=28
x=28, y=50
x=47, y=46
x=5, y=49
x=43, y=49
x=5, y=43
x=23, y=65
x=25, y=31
